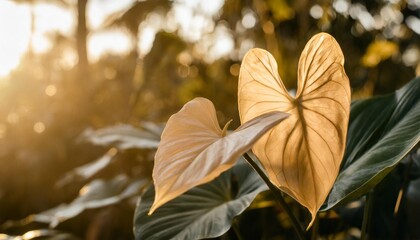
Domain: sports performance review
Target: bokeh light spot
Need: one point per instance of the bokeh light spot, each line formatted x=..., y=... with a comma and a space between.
x=39, y=127
x=234, y=69
x=12, y=118
x=268, y=27
x=316, y=11
x=183, y=71
x=51, y=90
x=249, y=20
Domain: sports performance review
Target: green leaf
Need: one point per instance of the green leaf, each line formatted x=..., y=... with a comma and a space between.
x=382, y=132
x=205, y=211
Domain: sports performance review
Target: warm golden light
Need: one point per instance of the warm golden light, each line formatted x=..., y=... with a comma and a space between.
x=17, y=37
x=3, y=130
x=309, y=145
x=12, y=118
x=14, y=37
x=112, y=41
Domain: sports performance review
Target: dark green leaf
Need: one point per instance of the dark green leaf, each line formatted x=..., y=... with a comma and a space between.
x=205, y=211
x=382, y=131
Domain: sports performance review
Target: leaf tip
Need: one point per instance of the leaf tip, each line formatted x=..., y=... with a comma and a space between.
x=153, y=208
x=313, y=218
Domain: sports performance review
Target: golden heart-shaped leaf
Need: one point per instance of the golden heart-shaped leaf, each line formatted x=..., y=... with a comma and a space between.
x=302, y=154
x=193, y=149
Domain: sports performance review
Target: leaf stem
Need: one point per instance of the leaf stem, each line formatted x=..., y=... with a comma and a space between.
x=366, y=215
x=277, y=194
x=402, y=194
x=235, y=226
x=315, y=228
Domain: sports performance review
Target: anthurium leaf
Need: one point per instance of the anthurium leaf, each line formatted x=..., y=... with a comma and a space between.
x=302, y=154
x=382, y=131
x=205, y=211
x=194, y=150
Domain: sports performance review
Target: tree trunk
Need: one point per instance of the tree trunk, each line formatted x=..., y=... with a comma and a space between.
x=82, y=39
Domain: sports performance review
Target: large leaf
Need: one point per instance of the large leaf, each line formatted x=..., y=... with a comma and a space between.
x=205, y=211
x=194, y=150
x=382, y=131
x=302, y=154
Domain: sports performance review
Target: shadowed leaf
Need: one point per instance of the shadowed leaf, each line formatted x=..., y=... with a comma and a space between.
x=205, y=211
x=382, y=132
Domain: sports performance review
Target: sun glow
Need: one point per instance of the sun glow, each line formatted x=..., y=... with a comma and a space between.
x=14, y=35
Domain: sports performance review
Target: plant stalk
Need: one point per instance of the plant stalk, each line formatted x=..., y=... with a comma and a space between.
x=401, y=195
x=315, y=228
x=277, y=194
x=366, y=216
x=235, y=227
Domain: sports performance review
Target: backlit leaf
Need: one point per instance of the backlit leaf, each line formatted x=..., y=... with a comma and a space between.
x=194, y=150
x=302, y=154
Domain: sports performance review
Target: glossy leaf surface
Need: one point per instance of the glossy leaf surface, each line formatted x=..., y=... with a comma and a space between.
x=302, y=154
x=382, y=131
x=194, y=150
x=205, y=211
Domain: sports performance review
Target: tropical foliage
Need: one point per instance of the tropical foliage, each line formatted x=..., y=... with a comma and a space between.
x=79, y=136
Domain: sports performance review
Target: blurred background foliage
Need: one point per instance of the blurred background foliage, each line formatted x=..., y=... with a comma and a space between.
x=69, y=69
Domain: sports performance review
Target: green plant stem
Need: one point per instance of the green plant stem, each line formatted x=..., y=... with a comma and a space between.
x=277, y=194
x=401, y=195
x=315, y=228
x=235, y=227
x=366, y=216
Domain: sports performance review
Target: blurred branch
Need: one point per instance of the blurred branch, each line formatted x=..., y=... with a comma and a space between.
x=131, y=17
x=81, y=37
